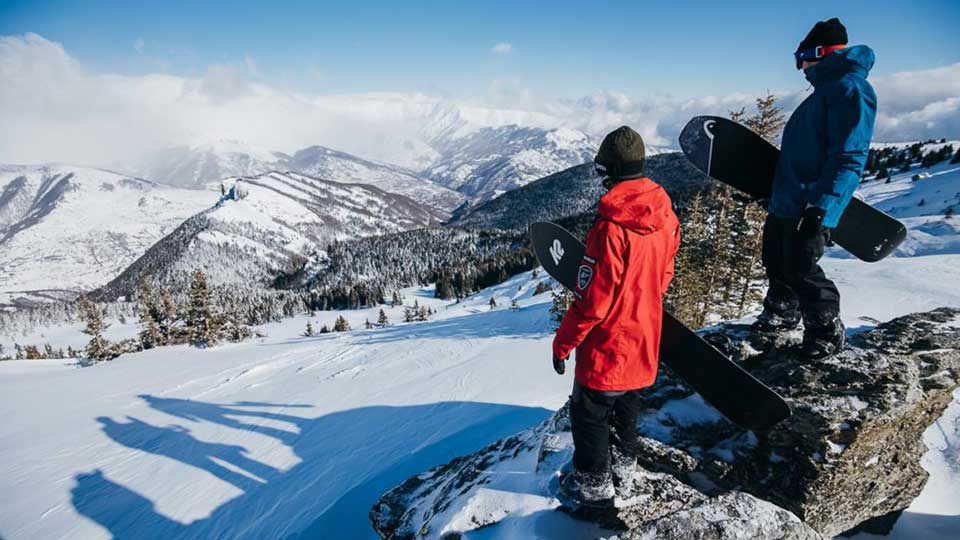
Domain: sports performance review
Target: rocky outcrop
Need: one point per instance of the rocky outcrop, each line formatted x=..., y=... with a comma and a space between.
x=850, y=452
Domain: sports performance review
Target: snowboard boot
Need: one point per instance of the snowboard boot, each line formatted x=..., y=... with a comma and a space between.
x=774, y=330
x=770, y=322
x=823, y=338
x=587, y=489
x=622, y=467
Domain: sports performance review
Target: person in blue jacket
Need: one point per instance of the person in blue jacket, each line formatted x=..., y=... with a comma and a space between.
x=823, y=153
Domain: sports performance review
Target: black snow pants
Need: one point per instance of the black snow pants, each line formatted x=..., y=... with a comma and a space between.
x=798, y=286
x=592, y=415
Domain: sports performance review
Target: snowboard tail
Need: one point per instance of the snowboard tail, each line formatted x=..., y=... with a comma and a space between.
x=733, y=154
x=739, y=396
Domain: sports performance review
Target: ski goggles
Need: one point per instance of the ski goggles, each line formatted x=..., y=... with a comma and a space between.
x=601, y=171
x=814, y=54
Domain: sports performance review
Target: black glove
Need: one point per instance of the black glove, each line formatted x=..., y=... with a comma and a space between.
x=811, y=222
x=559, y=365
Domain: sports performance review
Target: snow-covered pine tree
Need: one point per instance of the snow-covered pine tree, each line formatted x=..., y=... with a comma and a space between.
x=422, y=314
x=324, y=329
x=98, y=348
x=309, y=331
x=382, y=320
x=367, y=324
x=32, y=353
x=341, y=324
x=408, y=314
x=200, y=320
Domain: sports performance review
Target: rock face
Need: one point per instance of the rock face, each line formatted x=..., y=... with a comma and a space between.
x=851, y=451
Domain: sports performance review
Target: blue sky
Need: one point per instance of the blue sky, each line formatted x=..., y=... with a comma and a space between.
x=559, y=49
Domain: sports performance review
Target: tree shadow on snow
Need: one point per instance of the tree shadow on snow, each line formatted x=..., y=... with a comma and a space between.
x=347, y=459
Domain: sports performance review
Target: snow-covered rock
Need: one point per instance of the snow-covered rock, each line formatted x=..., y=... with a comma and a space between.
x=850, y=452
x=67, y=229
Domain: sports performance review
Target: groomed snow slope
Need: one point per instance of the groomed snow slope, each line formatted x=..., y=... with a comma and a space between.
x=263, y=439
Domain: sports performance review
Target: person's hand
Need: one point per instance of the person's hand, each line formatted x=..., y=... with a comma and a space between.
x=559, y=365
x=811, y=222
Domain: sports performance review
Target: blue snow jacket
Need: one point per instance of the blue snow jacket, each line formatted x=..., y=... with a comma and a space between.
x=826, y=140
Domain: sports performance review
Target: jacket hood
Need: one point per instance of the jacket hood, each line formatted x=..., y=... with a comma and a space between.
x=858, y=59
x=640, y=205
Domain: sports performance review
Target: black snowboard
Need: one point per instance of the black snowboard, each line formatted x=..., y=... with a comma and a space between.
x=735, y=393
x=733, y=154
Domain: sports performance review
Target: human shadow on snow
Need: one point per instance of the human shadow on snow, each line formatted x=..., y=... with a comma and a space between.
x=347, y=459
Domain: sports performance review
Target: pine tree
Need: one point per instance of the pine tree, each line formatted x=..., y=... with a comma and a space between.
x=956, y=157
x=98, y=348
x=561, y=300
x=32, y=353
x=382, y=320
x=324, y=329
x=168, y=316
x=309, y=331
x=769, y=120
x=367, y=324
x=408, y=314
x=341, y=324
x=422, y=314
x=200, y=326
x=150, y=311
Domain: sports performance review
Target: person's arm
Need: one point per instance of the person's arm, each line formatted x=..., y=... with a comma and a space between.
x=849, y=128
x=669, y=270
x=599, y=276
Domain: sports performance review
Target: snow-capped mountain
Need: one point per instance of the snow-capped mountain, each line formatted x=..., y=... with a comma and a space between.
x=337, y=166
x=576, y=190
x=202, y=165
x=269, y=225
x=66, y=229
x=490, y=161
x=199, y=165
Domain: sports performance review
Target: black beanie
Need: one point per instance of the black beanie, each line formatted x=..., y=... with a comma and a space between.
x=824, y=34
x=622, y=153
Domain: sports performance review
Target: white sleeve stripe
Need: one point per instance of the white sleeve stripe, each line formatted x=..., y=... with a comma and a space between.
x=589, y=260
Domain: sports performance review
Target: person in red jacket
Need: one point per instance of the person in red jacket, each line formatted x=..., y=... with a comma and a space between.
x=615, y=318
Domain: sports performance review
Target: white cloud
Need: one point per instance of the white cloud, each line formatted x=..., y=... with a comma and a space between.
x=138, y=45
x=251, y=64
x=53, y=109
x=502, y=48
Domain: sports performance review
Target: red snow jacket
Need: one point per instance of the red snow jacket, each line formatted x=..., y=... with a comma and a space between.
x=614, y=321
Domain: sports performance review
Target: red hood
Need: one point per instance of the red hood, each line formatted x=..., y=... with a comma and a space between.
x=640, y=205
